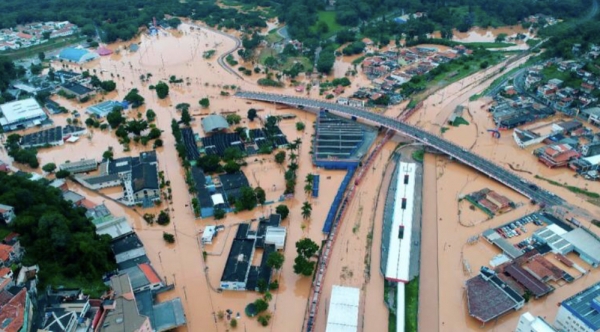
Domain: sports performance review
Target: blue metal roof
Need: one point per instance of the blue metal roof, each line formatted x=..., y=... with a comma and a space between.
x=72, y=54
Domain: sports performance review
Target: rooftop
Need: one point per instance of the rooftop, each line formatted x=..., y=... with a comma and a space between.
x=126, y=243
x=77, y=88
x=343, y=309
x=586, y=306
x=214, y=123
x=125, y=316
x=20, y=110
x=238, y=260
x=13, y=313
x=163, y=316
x=144, y=176
x=536, y=287
x=585, y=242
x=486, y=301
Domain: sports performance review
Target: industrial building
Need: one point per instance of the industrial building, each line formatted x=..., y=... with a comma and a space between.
x=239, y=274
x=398, y=230
x=80, y=166
x=343, y=309
x=21, y=114
x=488, y=297
x=76, y=55
x=529, y=323
x=102, y=109
x=580, y=312
x=214, y=123
x=586, y=244
x=52, y=137
x=340, y=140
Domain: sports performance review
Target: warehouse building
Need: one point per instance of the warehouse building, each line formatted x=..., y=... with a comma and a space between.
x=21, y=114
x=343, y=309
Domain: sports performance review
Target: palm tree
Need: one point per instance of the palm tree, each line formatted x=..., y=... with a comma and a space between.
x=306, y=210
x=308, y=188
x=293, y=157
x=297, y=143
x=309, y=178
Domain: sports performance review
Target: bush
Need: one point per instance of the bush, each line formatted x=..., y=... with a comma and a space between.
x=300, y=126
x=274, y=285
x=163, y=218
x=62, y=174
x=269, y=82
x=219, y=214
x=264, y=319
x=233, y=323
x=169, y=238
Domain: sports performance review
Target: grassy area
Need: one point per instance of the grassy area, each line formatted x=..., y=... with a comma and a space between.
x=391, y=322
x=329, y=18
x=49, y=46
x=460, y=121
x=273, y=36
x=572, y=189
x=94, y=289
x=359, y=60
x=418, y=155
x=302, y=59
x=569, y=78
x=411, y=309
x=596, y=222
x=4, y=231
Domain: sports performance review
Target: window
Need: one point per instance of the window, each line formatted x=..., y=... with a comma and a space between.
x=404, y=204
x=406, y=179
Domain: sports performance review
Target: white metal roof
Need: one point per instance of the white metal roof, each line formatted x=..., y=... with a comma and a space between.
x=217, y=199
x=21, y=110
x=276, y=236
x=400, y=305
x=556, y=229
x=209, y=232
x=399, y=252
x=593, y=160
x=343, y=309
x=584, y=242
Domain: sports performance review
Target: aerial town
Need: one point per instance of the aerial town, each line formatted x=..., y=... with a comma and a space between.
x=239, y=166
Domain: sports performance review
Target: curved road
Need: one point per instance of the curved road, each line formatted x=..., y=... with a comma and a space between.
x=483, y=165
x=221, y=60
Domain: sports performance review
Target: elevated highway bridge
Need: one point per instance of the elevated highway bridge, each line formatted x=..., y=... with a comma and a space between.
x=485, y=166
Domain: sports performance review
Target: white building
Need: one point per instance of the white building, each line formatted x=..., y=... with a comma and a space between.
x=580, y=312
x=21, y=114
x=343, y=309
x=529, y=323
x=400, y=243
x=7, y=213
x=276, y=236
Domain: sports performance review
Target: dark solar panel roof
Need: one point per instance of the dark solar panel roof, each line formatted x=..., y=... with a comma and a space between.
x=238, y=261
x=190, y=144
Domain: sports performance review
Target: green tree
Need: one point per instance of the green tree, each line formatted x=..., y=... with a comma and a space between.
x=61, y=174
x=306, y=248
x=303, y=266
x=42, y=56
x=300, y=126
x=282, y=210
x=280, y=157
x=306, y=210
x=134, y=98
x=232, y=153
x=247, y=199
x=261, y=305
x=209, y=163
x=260, y=195
x=204, y=102
x=275, y=260
x=108, y=86
x=115, y=118
x=233, y=323
x=168, y=237
x=49, y=167
x=252, y=114
x=182, y=106
x=231, y=167
x=307, y=189
x=501, y=37
x=233, y=119
x=186, y=118
x=325, y=62
x=163, y=218
x=108, y=154
x=162, y=89
x=219, y=213
x=150, y=115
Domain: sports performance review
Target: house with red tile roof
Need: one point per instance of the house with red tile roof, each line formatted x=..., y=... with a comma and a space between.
x=14, y=313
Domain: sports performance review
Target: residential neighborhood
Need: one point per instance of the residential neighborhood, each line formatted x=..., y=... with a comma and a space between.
x=23, y=36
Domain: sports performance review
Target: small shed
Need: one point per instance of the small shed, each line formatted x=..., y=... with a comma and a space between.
x=214, y=123
x=208, y=234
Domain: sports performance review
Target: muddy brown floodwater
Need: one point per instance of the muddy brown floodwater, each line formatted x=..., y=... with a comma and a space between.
x=447, y=260
x=180, y=54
